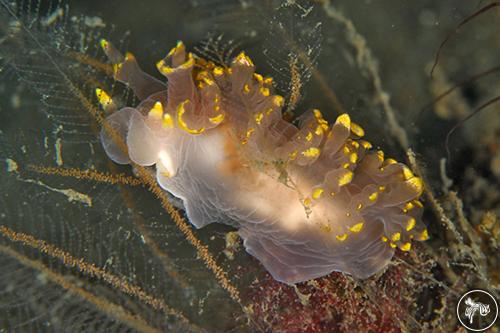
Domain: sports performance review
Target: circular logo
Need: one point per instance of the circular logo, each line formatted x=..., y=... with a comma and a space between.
x=477, y=310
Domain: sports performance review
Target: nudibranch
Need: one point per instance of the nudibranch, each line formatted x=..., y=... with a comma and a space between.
x=306, y=200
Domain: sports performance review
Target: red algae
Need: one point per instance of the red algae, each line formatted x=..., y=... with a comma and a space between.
x=338, y=303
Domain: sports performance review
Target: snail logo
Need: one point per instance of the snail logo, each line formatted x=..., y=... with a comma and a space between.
x=477, y=310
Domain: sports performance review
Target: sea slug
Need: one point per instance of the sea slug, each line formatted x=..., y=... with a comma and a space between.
x=306, y=200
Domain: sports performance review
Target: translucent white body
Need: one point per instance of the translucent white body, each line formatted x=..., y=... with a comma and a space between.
x=306, y=200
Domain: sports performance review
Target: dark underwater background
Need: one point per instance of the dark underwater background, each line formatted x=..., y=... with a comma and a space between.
x=87, y=255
